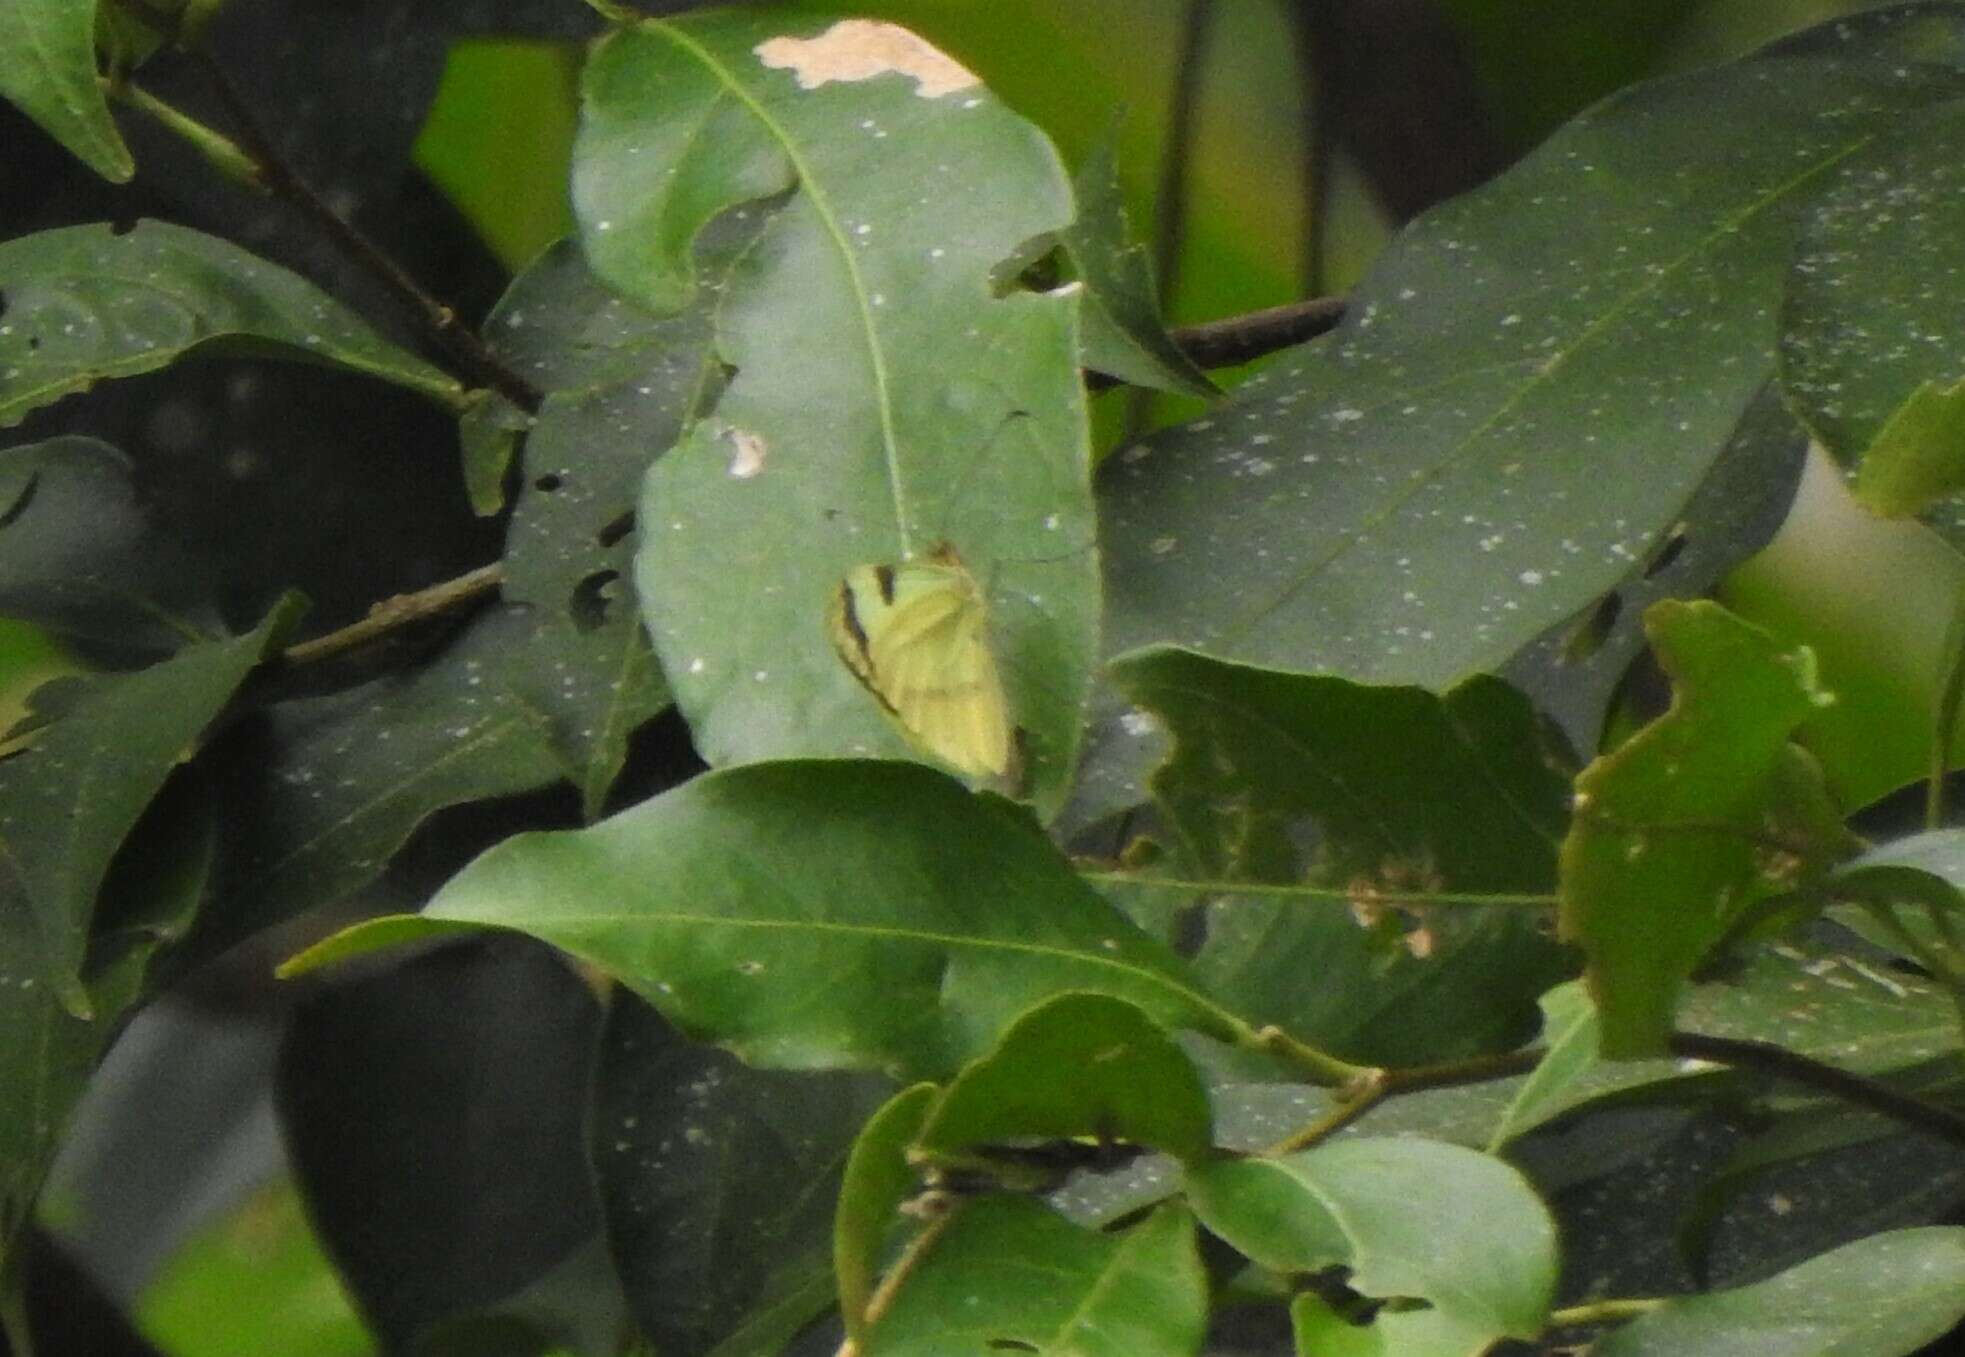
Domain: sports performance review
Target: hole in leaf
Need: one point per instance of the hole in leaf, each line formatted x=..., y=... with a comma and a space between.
x=1589, y=635
x=614, y=531
x=592, y=597
x=1037, y=265
x=549, y=482
x=1010, y=1345
x=1667, y=552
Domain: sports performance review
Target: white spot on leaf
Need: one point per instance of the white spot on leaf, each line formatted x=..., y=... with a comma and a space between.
x=748, y=457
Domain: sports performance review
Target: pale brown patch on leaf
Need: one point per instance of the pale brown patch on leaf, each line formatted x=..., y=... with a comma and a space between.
x=860, y=49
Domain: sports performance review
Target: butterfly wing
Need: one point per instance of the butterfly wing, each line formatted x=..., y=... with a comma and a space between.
x=917, y=636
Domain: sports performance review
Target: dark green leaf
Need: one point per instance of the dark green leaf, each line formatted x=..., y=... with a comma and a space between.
x=68, y=800
x=1880, y=1297
x=1678, y=829
x=325, y=790
x=48, y=70
x=716, y=1180
x=1382, y=797
x=427, y=1109
x=1867, y=333
x=1411, y=1219
x=1010, y=1275
x=84, y=303
x=892, y=386
x=1124, y=336
x=1505, y=422
x=83, y=556
x=1078, y=1065
x=818, y=915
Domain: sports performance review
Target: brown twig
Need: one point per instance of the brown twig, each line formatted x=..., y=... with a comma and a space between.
x=1765, y=1056
x=1238, y=339
x=474, y=361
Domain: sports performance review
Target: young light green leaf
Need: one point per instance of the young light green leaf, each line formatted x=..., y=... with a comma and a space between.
x=893, y=385
x=88, y=303
x=1671, y=833
x=1010, y=1274
x=69, y=799
x=1918, y=456
x=818, y=915
x=878, y=1180
x=1076, y=1065
x=1883, y=1296
x=48, y=71
x=1411, y=1219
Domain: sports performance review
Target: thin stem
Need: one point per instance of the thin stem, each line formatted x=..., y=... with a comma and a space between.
x=1349, y=1106
x=1377, y=1085
x=474, y=361
x=1323, y=1068
x=1331, y=894
x=403, y=610
x=1603, y=1312
x=1797, y=1068
x=219, y=151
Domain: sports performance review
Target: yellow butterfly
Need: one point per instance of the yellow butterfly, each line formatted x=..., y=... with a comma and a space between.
x=916, y=635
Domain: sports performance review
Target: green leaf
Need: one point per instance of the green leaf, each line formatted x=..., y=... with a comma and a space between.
x=817, y=915
x=1404, y=795
x=1077, y=1065
x=323, y=791
x=892, y=386
x=255, y=1280
x=86, y=303
x=1502, y=426
x=618, y=384
x=69, y=799
x=1411, y=1219
x=1867, y=341
x=48, y=71
x=1123, y=336
x=717, y=1182
x=1916, y=881
x=1672, y=832
x=878, y=1179
x=1009, y=1274
x=1880, y=1297
x=1918, y=456
x=83, y=555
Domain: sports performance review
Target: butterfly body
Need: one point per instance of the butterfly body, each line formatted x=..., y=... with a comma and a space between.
x=916, y=636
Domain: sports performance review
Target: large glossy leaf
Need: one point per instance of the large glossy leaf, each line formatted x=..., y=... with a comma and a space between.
x=892, y=386
x=82, y=304
x=1009, y=1274
x=48, y=70
x=82, y=555
x=68, y=800
x=1411, y=1219
x=1383, y=796
x=717, y=1181
x=1880, y=1297
x=1518, y=405
x=816, y=915
x=1676, y=830
x=1864, y=326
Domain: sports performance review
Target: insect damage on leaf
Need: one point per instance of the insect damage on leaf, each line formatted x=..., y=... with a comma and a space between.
x=860, y=49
